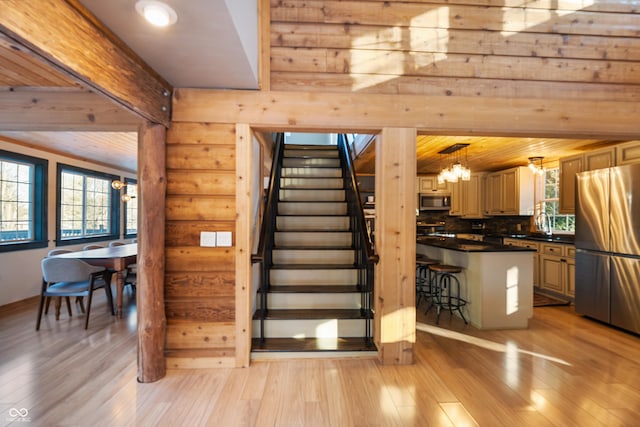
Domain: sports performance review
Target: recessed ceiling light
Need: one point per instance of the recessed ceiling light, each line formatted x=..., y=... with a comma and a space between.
x=156, y=13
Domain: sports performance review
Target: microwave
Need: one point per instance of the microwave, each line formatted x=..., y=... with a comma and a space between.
x=434, y=202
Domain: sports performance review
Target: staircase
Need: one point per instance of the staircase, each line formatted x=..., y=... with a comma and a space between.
x=317, y=285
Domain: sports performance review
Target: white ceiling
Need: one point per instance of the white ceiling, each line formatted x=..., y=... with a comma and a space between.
x=213, y=44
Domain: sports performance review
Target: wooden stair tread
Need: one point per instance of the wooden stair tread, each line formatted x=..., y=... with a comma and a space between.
x=318, y=166
x=313, y=248
x=312, y=214
x=327, y=155
x=313, y=266
x=314, y=314
x=312, y=344
x=314, y=289
x=312, y=201
x=302, y=188
x=310, y=146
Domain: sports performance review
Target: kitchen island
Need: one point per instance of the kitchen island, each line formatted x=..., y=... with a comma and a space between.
x=497, y=280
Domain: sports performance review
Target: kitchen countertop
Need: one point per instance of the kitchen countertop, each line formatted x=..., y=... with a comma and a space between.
x=465, y=245
x=557, y=238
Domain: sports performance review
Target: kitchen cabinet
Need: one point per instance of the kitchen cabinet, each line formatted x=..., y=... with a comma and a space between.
x=430, y=184
x=467, y=197
x=456, y=199
x=628, y=152
x=570, y=166
x=510, y=192
x=530, y=244
x=557, y=268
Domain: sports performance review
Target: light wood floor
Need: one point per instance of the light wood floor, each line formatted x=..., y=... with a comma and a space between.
x=563, y=371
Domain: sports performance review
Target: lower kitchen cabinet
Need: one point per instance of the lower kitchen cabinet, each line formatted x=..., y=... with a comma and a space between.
x=531, y=244
x=554, y=265
x=557, y=268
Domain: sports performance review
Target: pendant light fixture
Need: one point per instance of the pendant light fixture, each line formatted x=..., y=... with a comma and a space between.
x=535, y=164
x=454, y=170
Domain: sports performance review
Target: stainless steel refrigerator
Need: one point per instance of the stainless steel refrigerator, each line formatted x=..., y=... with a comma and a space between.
x=608, y=245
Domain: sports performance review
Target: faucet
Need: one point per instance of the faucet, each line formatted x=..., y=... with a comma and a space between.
x=543, y=223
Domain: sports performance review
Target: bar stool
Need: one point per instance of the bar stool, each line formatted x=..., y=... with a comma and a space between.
x=424, y=282
x=444, y=295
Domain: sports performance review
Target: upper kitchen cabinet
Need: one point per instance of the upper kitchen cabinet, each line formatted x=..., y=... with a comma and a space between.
x=510, y=192
x=570, y=166
x=627, y=153
x=430, y=184
x=467, y=197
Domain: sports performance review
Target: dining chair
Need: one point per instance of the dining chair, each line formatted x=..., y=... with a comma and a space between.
x=89, y=247
x=107, y=276
x=67, y=277
x=54, y=252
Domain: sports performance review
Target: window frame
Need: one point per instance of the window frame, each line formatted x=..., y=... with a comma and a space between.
x=114, y=211
x=129, y=181
x=541, y=202
x=40, y=200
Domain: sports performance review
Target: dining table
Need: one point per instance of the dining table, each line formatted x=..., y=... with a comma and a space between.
x=116, y=258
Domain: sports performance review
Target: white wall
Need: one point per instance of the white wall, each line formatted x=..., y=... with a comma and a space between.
x=310, y=138
x=20, y=274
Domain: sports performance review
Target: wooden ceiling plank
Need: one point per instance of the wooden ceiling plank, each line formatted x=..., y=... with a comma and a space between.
x=20, y=69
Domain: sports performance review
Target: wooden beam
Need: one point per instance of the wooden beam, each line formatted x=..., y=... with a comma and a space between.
x=395, y=321
x=264, y=43
x=57, y=109
x=243, y=243
x=152, y=322
x=447, y=115
x=85, y=53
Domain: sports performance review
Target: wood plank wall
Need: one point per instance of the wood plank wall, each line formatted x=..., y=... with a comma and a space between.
x=487, y=48
x=200, y=281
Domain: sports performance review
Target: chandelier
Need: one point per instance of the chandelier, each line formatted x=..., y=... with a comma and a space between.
x=454, y=169
x=535, y=164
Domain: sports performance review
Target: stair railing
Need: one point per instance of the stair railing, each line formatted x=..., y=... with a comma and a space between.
x=366, y=256
x=264, y=251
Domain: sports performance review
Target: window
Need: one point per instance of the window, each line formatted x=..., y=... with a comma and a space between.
x=23, y=200
x=87, y=206
x=131, y=209
x=549, y=203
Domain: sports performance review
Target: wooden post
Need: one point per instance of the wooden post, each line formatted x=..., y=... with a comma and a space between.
x=244, y=163
x=152, y=322
x=395, y=322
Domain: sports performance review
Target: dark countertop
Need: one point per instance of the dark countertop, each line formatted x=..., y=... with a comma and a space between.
x=555, y=238
x=465, y=245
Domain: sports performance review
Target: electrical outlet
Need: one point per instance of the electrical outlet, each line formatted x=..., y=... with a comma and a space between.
x=224, y=238
x=208, y=239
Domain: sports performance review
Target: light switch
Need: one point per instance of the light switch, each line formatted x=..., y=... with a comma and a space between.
x=224, y=238
x=208, y=239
